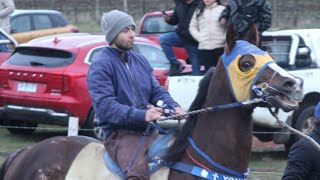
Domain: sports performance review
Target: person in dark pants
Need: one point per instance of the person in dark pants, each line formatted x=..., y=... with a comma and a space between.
x=242, y=13
x=124, y=93
x=206, y=29
x=304, y=158
x=181, y=17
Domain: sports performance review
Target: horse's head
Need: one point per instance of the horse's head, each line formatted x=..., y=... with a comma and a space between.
x=252, y=72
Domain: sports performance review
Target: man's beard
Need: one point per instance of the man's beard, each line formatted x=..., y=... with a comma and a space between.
x=122, y=46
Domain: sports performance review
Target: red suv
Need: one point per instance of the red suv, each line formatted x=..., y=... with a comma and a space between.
x=44, y=81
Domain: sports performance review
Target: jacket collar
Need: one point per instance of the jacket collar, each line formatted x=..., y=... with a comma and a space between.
x=123, y=55
x=215, y=4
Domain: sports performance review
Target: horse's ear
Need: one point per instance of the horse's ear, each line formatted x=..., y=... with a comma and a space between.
x=231, y=38
x=252, y=35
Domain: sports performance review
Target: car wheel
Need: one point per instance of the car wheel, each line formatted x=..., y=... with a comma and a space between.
x=304, y=122
x=20, y=127
x=92, y=127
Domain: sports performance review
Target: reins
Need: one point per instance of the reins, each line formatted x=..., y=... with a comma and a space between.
x=215, y=108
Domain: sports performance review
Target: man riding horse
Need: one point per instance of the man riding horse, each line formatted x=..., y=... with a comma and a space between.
x=124, y=93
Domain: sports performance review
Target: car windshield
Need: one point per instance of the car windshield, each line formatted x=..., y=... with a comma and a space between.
x=155, y=55
x=278, y=48
x=156, y=25
x=41, y=57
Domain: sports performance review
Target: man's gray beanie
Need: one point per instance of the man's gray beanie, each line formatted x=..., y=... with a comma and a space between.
x=113, y=22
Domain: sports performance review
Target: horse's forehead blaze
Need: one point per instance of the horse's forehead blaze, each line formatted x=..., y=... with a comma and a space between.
x=280, y=71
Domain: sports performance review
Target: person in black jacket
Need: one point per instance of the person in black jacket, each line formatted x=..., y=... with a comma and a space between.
x=181, y=37
x=242, y=13
x=304, y=158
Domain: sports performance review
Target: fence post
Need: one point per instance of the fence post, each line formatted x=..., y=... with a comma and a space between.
x=73, y=126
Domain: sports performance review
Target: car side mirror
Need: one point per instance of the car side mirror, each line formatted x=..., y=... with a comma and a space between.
x=303, y=58
x=304, y=51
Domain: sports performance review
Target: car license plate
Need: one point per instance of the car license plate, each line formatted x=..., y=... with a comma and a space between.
x=27, y=87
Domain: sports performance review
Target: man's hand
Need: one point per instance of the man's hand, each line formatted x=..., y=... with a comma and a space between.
x=179, y=111
x=166, y=17
x=153, y=113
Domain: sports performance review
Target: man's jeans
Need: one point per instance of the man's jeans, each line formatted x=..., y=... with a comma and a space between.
x=129, y=149
x=170, y=40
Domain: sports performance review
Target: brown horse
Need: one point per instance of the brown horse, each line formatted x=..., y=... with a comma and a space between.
x=225, y=136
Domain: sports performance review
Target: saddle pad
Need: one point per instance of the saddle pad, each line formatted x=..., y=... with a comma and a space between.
x=89, y=164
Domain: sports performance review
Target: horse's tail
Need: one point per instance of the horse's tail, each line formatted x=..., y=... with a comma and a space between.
x=5, y=165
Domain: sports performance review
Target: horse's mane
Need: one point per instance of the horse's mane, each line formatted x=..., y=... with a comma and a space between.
x=5, y=165
x=175, y=151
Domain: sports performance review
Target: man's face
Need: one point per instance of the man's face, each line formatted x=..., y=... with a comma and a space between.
x=188, y=1
x=125, y=39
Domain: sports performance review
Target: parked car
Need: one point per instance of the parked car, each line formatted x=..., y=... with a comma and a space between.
x=152, y=25
x=31, y=24
x=44, y=80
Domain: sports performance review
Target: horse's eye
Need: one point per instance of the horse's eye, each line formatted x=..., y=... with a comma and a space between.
x=246, y=63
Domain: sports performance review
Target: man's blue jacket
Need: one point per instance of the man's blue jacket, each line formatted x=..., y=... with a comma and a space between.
x=121, y=85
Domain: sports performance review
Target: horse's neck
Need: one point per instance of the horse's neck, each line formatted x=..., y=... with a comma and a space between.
x=225, y=135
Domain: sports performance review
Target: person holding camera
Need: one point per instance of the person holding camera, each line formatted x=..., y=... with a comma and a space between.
x=181, y=37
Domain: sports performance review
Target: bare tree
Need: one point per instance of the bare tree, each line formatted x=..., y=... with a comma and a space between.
x=295, y=13
x=125, y=6
x=275, y=12
x=97, y=10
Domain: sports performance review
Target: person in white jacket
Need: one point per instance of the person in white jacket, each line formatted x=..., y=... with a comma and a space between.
x=206, y=29
x=6, y=8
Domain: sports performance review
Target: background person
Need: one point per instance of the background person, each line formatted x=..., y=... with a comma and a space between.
x=181, y=17
x=206, y=29
x=6, y=8
x=304, y=159
x=123, y=91
x=244, y=12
